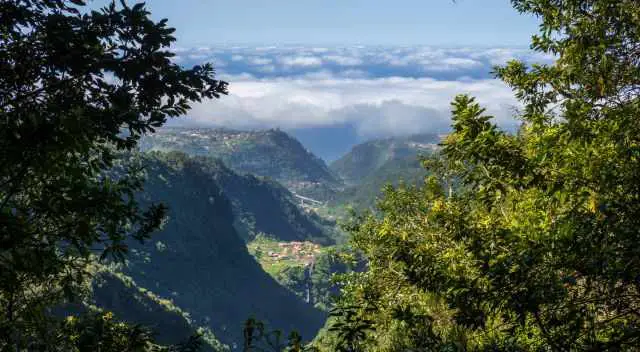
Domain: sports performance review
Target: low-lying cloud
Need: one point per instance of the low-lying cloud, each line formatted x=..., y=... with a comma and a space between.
x=379, y=91
x=376, y=107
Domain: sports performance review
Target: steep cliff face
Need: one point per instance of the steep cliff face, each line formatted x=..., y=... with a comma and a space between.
x=200, y=262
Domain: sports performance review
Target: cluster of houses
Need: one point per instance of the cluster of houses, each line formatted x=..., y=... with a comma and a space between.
x=302, y=251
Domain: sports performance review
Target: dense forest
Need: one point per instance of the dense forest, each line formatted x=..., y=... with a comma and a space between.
x=117, y=234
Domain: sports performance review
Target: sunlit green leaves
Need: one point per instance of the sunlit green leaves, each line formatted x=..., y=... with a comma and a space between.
x=535, y=247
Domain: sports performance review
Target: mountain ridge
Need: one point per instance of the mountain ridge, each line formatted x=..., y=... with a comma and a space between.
x=365, y=158
x=269, y=153
x=200, y=261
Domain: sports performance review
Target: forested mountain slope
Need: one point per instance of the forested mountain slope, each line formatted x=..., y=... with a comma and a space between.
x=260, y=205
x=201, y=263
x=265, y=206
x=271, y=153
x=369, y=166
x=113, y=291
x=367, y=158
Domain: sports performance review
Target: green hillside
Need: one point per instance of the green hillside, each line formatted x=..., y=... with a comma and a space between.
x=200, y=262
x=113, y=291
x=367, y=158
x=261, y=205
x=369, y=166
x=270, y=153
x=407, y=170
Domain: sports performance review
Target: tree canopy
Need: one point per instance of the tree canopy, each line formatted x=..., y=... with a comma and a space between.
x=77, y=89
x=537, y=245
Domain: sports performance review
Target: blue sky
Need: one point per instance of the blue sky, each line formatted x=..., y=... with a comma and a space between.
x=370, y=22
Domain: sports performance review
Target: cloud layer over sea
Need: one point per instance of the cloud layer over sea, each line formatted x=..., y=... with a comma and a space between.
x=378, y=91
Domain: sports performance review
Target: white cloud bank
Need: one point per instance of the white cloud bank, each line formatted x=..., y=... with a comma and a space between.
x=376, y=107
x=304, y=61
x=381, y=91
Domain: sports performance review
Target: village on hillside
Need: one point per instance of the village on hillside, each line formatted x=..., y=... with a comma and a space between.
x=273, y=255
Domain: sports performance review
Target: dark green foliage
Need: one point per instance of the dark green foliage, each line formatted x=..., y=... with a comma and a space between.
x=101, y=332
x=169, y=325
x=351, y=329
x=122, y=298
x=74, y=90
x=335, y=261
x=257, y=338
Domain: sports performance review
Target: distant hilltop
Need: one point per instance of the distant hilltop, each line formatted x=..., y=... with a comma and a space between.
x=356, y=176
x=268, y=153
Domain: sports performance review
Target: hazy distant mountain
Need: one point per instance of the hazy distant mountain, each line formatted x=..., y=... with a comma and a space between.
x=367, y=158
x=371, y=165
x=278, y=155
x=270, y=153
